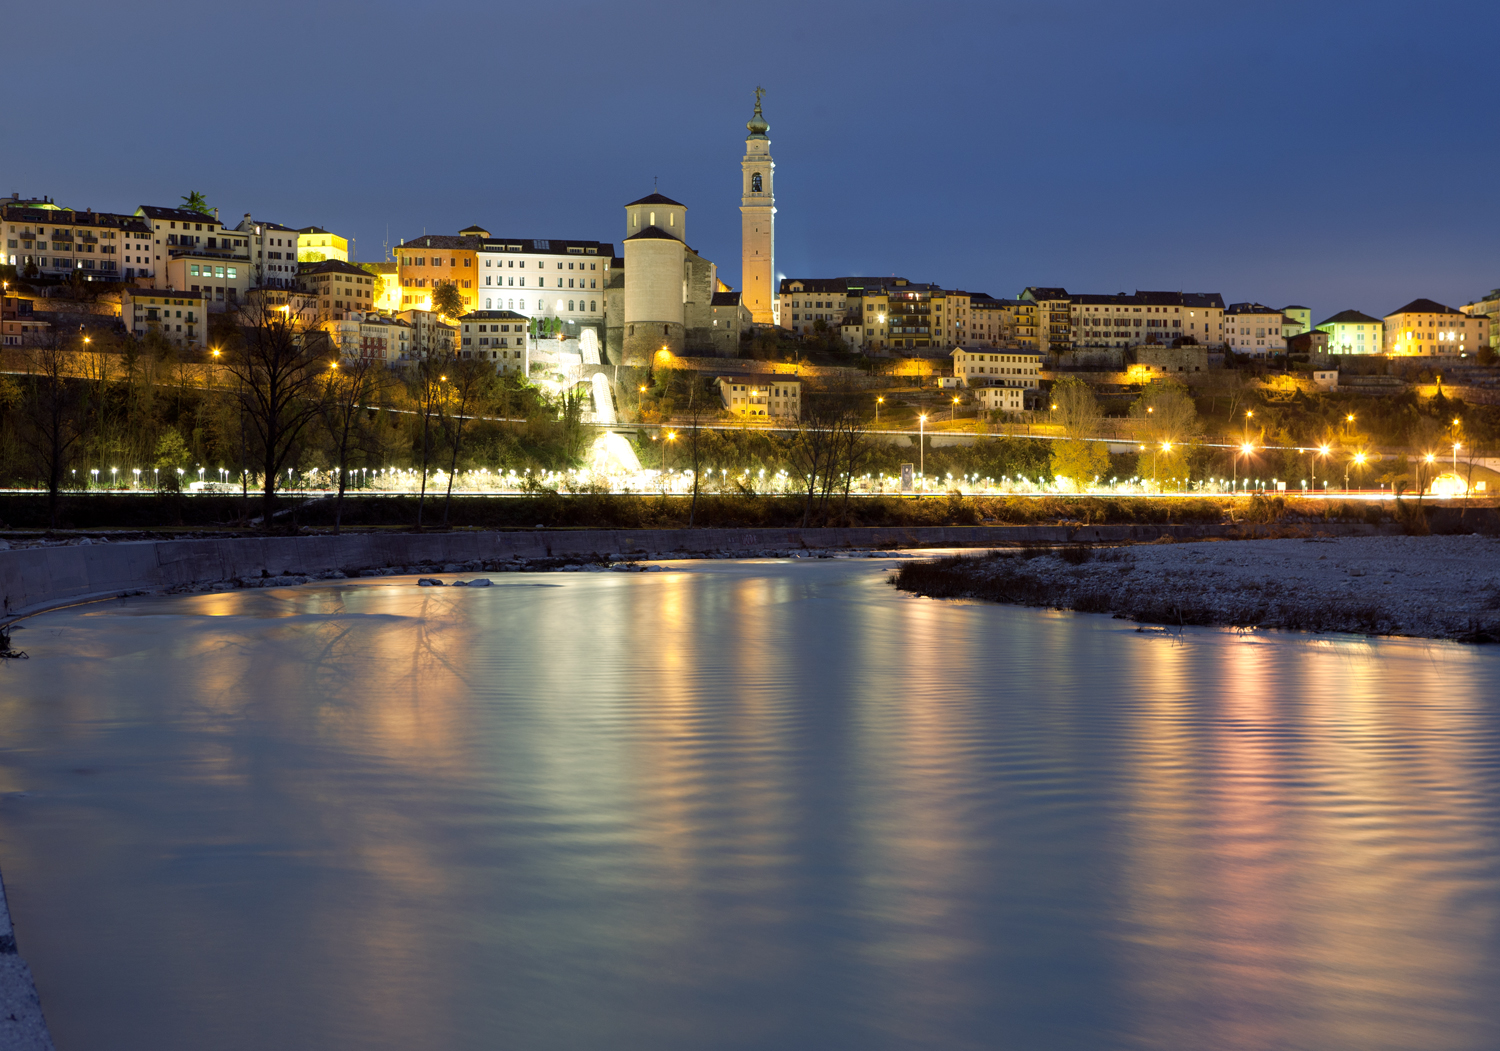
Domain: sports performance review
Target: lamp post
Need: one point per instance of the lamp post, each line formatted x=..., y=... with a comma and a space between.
x=921, y=453
x=879, y=400
x=1457, y=446
x=953, y=413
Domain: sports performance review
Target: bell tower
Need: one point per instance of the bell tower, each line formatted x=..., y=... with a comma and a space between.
x=758, y=223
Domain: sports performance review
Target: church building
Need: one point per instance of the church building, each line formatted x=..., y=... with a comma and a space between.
x=666, y=297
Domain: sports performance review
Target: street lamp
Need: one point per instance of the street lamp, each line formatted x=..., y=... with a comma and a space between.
x=953, y=413
x=878, y=402
x=1457, y=446
x=921, y=453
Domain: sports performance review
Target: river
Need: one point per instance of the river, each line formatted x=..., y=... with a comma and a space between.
x=758, y=804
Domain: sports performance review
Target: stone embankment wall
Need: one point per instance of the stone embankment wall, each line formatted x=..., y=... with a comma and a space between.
x=22, y=1027
x=37, y=578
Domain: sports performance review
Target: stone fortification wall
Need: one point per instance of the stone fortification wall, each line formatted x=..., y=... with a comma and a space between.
x=32, y=579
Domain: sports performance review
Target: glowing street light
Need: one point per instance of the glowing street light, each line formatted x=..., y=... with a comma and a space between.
x=921, y=453
x=879, y=401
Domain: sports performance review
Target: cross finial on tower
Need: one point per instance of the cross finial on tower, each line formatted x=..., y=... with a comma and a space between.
x=759, y=91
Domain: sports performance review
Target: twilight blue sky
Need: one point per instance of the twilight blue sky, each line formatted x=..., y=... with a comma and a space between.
x=1331, y=154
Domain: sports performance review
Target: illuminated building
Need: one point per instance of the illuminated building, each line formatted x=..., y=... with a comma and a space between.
x=371, y=336
x=1001, y=399
x=19, y=326
x=178, y=317
x=500, y=336
x=1352, y=332
x=1425, y=327
x=387, y=285
x=341, y=288
x=1299, y=320
x=540, y=277
x=1254, y=329
x=1054, y=317
x=57, y=241
x=433, y=259
x=273, y=253
x=987, y=367
x=315, y=244
x=430, y=334
x=665, y=293
x=774, y=396
x=758, y=222
x=1489, y=309
x=1145, y=319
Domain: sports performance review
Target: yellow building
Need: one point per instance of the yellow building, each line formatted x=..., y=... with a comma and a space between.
x=315, y=244
x=762, y=396
x=342, y=288
x=1424, y=328
x=54, y=242
x=387, y=285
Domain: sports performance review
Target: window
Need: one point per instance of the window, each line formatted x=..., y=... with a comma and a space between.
x=755, y=183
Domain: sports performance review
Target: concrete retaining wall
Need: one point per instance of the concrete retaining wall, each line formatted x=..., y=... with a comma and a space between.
x=22, y=1027
x=33, y=579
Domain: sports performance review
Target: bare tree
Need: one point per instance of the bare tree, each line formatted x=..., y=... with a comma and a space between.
x=425, y=378
x=279, y=370
x=52, y=424
x=350, y=386
x=469, y=386
x=695, y=411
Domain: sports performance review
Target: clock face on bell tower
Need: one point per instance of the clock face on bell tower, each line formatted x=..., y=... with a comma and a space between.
x=758, y=222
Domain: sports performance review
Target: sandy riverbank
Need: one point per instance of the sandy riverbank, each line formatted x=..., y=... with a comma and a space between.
x=1429, y=586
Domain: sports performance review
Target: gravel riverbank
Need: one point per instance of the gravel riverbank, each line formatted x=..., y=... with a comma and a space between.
x=1429, y=586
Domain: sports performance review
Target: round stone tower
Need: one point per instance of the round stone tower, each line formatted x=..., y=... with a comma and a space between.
x=655, y=278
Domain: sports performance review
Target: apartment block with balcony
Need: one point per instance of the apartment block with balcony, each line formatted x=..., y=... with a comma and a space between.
x=1424, y=327
x=1054, y=317
x=19, y=325
x=272, y=252
x=772, y=396
x=1254, y=329
x=48, y=241
x=1147, y=319
x=179, y=317
x=195, y=239
x=501, y=336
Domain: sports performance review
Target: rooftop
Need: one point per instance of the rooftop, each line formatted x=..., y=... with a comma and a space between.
x=656, y=198
x=1424, y=306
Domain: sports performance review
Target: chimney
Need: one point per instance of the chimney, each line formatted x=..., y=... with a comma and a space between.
x=216, y=213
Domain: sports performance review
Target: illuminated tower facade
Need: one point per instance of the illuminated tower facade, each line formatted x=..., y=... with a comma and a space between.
x=758, y=223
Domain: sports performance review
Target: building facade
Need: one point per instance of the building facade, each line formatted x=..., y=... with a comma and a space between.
x=1487, y=307
x=433, y=259
x=179, y=317
x=315, y=245
x=1424, y=327
x=758, y=222
x=272, y=252
x=989, y=367
x=55, y=242
x=773, y=396
x=539, y=277
x=19, y=325
x=1146, y=319
x=501, y=336
x=1254, y=329
x=666, y=296
x=1353, y=332
x=341, y=288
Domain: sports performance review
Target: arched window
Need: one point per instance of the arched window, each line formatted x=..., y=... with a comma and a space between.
x=593, y=307
x=653, y=218
x=755, y=183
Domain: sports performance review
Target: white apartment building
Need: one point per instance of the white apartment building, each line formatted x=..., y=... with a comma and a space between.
x=543, y=278
x=1001, y=399
x=1351, y=332
x=178, y=317
x=273, y=252
x=1254, y=329
x=501, y=336
x=178, y=232
x=985, y=367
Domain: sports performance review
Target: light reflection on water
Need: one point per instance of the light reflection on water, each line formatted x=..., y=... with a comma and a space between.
x=745, y=806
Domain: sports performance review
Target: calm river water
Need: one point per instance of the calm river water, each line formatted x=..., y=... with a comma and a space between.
x=746, y=805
